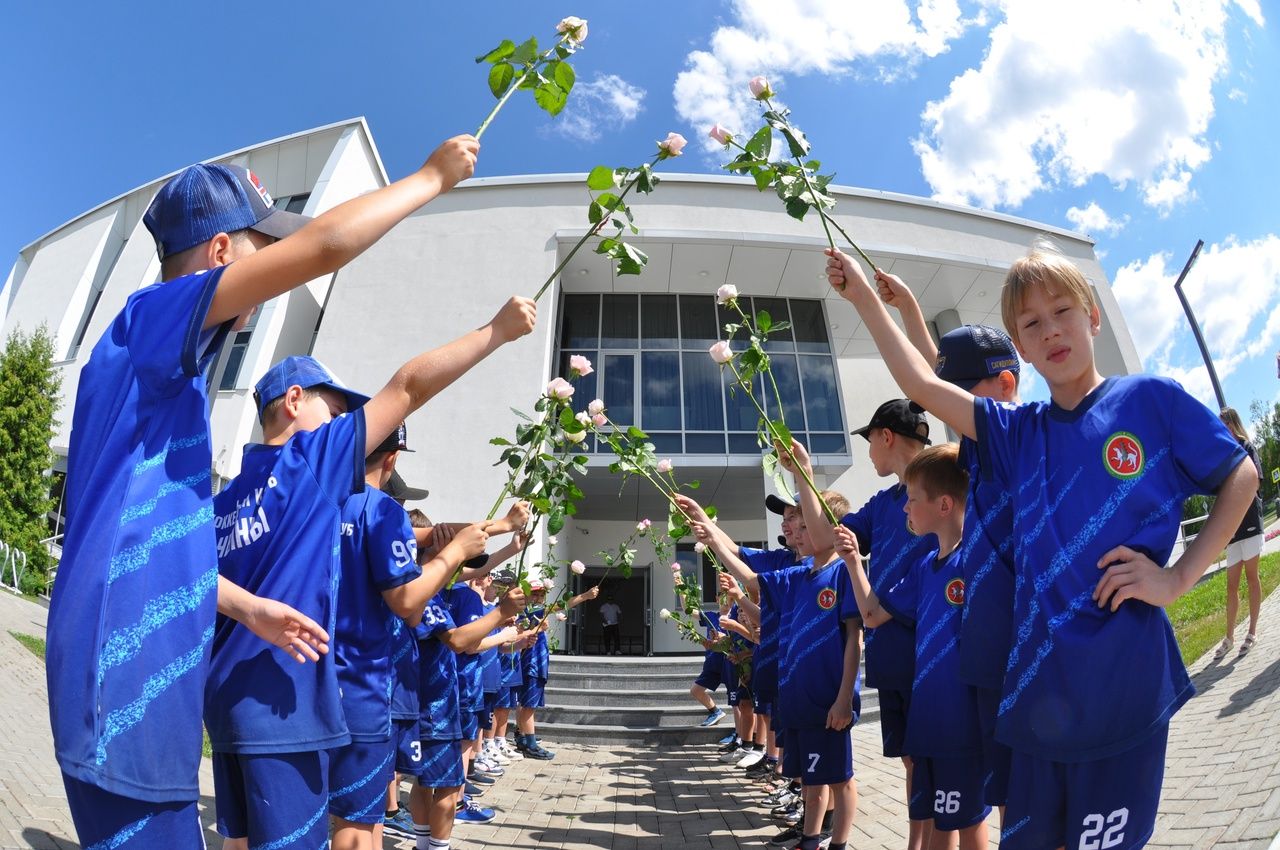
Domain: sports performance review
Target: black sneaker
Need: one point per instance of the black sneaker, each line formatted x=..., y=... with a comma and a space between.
x=729, y=747
x=480, y=779
x=760, y=771
x=787, y=836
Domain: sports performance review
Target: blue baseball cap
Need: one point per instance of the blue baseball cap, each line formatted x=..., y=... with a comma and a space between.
x=205, y=200
x=300, y=371
x=970, y=354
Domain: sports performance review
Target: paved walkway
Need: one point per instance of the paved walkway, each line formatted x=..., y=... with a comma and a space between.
x=1222, y=782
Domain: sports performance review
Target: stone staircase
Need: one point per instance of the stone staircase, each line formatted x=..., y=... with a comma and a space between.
x=633, y=701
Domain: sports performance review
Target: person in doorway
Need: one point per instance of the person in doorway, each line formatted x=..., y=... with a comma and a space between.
x=611, y=616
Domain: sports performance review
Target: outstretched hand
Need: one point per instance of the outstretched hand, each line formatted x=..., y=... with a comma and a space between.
x=454, y=161
x=286, y=628
x=891, y=289
x=516, y=318
x=847, y=546
x=843, y=270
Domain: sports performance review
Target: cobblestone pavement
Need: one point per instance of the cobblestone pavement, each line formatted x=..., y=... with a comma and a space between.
x=1222, y=780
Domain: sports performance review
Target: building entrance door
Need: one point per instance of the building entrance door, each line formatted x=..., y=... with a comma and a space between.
x=631, y=595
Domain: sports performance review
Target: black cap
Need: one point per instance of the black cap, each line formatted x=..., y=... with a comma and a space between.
x=778, y=505
x=900, y=416
x=970, y=354
x=402, y=492
x=477, y=562
x=395, y=442
x=503, y=577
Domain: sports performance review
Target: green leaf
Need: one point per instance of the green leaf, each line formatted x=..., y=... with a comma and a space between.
x=600, y=178
x=632, y=261
x=532, y=79
x=711, y=511
x=551, y=98
x=596, y=213
x=526, y=52
x=764, y=178
x=763, y=321
x=797, y=207
x=610, y=201
x=502, y=51
x=694, y=484
x=636, y=434
x=562, y=73
x=646, y=182
x=758, y=145
x=781, y=326
x=796, y=141
x=555, y=520
x=500, y=441
x=500, y=77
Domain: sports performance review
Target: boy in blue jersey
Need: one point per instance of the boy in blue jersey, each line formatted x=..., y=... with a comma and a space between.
x=897, y=432
x=278, y=532
x=712, y=674
x=943, y=733
x=983, y=361
x=1094, y=673
x=139, y=463
x=535, y=662
x=433, y=802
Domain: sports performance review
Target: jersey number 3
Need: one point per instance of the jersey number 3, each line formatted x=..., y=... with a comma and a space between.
x=1102, y=833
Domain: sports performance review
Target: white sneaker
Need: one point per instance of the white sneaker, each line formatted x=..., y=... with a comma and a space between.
x=748, y=758
x=495, y=754
x=510, y=751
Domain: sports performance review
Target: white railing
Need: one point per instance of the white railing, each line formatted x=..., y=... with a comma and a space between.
x=1184, y=538
x=13, y=566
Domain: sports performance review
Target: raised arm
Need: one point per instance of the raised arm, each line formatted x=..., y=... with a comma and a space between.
x=898, y=295
x=873, y=613
x=338, y=236
x=584, y=596
x=409, y=600
x=821, y=534
x=416, y=382
x=721, y=544
x=467, y=638
x=909, y=369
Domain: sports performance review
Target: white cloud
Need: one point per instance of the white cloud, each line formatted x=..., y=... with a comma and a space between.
x=1094, y=220
x=1068, y=91
x=1234, y=290
x=603, y=104
x=781, y=37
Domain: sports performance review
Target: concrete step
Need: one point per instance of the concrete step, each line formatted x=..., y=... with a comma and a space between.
x=628, y=682
x=664, y=737
x=606, y=665
x=631, y=717
x=618, y=698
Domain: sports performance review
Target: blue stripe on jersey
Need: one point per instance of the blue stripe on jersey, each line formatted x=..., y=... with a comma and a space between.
x=125, y=718
x=814, y=646
x=123, y=837
x=360, y=783
x=142, y=509
x=933, y=662
x=125, y=643
x=289, y=839
x=136, y=557
x=175, y=445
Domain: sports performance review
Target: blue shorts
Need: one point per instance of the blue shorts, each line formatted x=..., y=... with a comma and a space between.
x=948, y=790
x=490, y=701
x=297, y=784
x=760, y=705
x=995, y=755
x=110, y=820
x=358, y=777
x=712, y=675
x=1109, y=802
x=470, y=725
x=893, y=721
x=818, y=756
x=441, y=764
x=531, y=695
x=408, y=746
x=508, y=697
x=484, y=717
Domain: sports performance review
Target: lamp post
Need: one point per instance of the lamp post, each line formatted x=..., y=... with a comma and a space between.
x=1195, y=326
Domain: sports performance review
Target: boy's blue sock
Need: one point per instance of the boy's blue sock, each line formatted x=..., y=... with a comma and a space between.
x=810, y=842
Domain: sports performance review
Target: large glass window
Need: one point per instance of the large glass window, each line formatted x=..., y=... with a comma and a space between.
x=652, y=370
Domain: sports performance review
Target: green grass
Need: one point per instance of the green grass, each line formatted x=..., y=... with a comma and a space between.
x=206, y=749
x=31, y=642
x=1199, y=616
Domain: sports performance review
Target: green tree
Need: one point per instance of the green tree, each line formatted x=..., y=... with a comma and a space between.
x=29, y=398
x=1266, y=439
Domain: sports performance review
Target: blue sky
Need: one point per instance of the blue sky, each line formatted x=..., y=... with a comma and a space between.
x=1146, y=124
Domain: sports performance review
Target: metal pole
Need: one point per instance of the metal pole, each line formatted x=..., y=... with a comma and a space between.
x=1195, y=326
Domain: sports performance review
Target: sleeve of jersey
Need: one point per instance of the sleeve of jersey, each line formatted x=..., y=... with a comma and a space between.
x=860, y=523
x=771, y=585
x=1204, y=450
x=390, y=547
x=996, y=425
x=903, y=599
x=335, y=454
x=164, y=326
x=844, y=595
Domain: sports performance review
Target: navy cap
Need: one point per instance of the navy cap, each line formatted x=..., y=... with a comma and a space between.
x=205, y=200
x=900, y=416
x=397, y=489
x=970, y=354
x=300, y=371
x=395, y=441
x=775, y=504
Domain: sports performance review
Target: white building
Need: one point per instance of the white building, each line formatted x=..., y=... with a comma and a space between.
x=449, y=267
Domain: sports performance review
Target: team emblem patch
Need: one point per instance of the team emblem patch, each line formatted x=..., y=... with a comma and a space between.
x=1123, y=455
x=826, y=599
x=955, y=591
x=262, y=190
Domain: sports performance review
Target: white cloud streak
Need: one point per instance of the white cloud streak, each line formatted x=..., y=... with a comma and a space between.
x=1094, y=220
x=602, y=104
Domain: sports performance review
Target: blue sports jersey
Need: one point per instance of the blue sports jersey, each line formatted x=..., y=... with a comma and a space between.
x=943, y=719
x=986, y=556
x=132, y=616
x=490, y=672
x=814, y=605
x=438, y=675
x=379, y=553
x=1081, y=682
x=466, y=606
x=537, y=658
x=277, y=527
x=764, y=663
x=510, y=668
x=404, y=663
x=881, y=527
